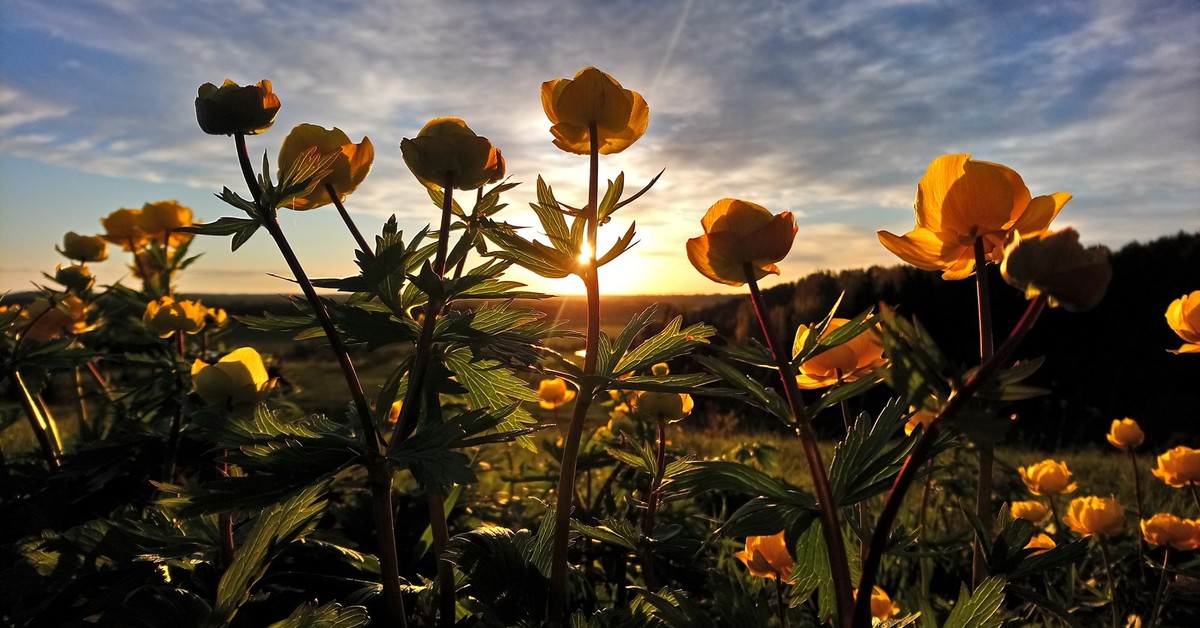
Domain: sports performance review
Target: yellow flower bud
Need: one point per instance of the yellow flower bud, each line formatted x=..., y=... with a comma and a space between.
x=663, y=406
x=1053, y=263
x=68, y=316
x=76, y=278
x=348, y=169
x=447, y=150
x=167, y=316
x=1048, y=477
x=1179, y=467
x=1032, y=511
x=1183, y=316
x=737, y=233
x=1125, y=434
x=593, y=97
x=660, y=369
x=882, y=606
x=123, y=228
x=767, y=556
x=1095, y=516
x=554, y=393
x=158, y=219
x=236, y=380
x=232, y=109
x=84, y=248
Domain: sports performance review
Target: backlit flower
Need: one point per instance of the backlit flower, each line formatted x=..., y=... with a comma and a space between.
x=737, y=233
x=1183, y=315
x=68, y=316
x=1032, y=511
x=767, y=556
x=1039, y=543
x=77, y=279
x=663, y=406
x=1053, y=263
x=882, y=606
x=845, y=362
x=661, y=369
x=1095, y=516
x=1178, y=467
x=349, y=168
x=959, y=200
x=232, y=109
x=123, y=228
x=554, y=393
x=1167, y=529
x=1125, y=434
x=157, y=220
x=1048, y=477
x=573, y=105
x=167, y=316
x=84, y=248
x=447, y=150
x=238, y=379
x=920, y=418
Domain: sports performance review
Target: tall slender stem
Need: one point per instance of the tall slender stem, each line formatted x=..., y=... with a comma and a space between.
x=1159, y=595
x=1137, y=498
x=174, y=434
x=660, y=460
x=37, y=422
x=828, y=512
x=987, y=454
x=780, y=604
x=920, y=452
x=358, y=236
x=1112, y=589
x=567, y=468
x=445, y=567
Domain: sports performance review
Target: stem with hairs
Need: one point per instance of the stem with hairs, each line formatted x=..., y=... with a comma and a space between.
x=987, y=453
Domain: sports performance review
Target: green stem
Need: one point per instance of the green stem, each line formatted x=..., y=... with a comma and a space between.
x=780, y=605
x=660, y=460
x=1195, y=496
x=37, y=422
x=830, y=526
x=358, y=236
x=987, y=454
x=920, y=453
x=567, y=468
x=1112, y=589
x=173, y=435
x=1160, y=594
x=445, y=567
x=1137, y=498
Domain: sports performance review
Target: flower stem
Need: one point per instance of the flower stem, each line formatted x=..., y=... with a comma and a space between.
x=1195, y=496
x=358, y=236
x=1159, y=596
x=983, y=493
x=1112, y=591
x=660, y=460
x=830, y=527
x=567, y=468
x=379, y=474
x=37, y=422
x=1137, y=497
x=780, y=605
x=920, y=452
x=445, y=567
x=173, y=435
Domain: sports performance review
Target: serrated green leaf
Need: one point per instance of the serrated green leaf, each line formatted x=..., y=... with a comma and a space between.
x=980, y=609
x=622, y=244
x=331, y=615
x=667, y=344
x=759, y=396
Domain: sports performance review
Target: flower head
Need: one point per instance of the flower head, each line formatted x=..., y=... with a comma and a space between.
x=77, y=279
x=882, y=606
x=844, y=363
x=238, y=379
x=554, y=393
x=123, y=228
x=1048, y=477
x=767, y=556
x=351, y=164
x=593, y=97
x=663, y=406
x=48, y=322
x=1179, y=467
x=1032, y=511
x=1125, y=434
x=167, y=316
x=1183, y=315
x=232, y=109
x=1053, y=263
x=1167, y=529
x=158, y=220
x=84, y=248
x=1095, y=516
x=446, y=149
x=737, y=233
x=920, y=418
x=959, y=200
x=1040, y=543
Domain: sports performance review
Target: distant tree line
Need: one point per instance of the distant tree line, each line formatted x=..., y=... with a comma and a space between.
x=1111, y=362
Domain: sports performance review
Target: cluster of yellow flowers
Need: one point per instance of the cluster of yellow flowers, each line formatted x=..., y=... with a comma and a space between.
x=165, y=316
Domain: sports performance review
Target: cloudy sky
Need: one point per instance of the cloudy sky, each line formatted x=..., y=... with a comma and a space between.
x=831, y=110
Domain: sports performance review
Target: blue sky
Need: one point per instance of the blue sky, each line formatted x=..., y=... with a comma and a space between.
x=831, y=110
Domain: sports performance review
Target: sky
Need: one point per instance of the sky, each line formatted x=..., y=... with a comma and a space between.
x=830, y=110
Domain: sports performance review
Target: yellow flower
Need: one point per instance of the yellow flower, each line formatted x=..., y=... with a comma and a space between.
x=737, y=233
x=554, y=393
x=1183, y=315
x=660, y=369
x=68, y=316
x=349, y=168
x=123, y=228
x=1095, y=516
x=663, y=406
x=76, y=278
x=882, y=607
x=767, y=556
x=84, y=248
x=158, y=219
x=1040, y=543
x=393, y=414
x=167, y=316
x=1048, y=477
x=1125, y=434
x=232, y=109
x=1053, y=263
x=847, y=361
x=1179, y=467
x=1032, y=511
x=959, y=200
x=446, y=149
x=573, y=105
x=238, y=379
x=1167, y=529
x=920, y=418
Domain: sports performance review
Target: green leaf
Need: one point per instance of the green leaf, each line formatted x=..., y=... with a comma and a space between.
x=534, y=256
x=331, y=615
x=867, y=461
x=760, y=396
x=619, y=532
x=667, y=344
x=622, y=244
x=610, y=351
x=980, y=609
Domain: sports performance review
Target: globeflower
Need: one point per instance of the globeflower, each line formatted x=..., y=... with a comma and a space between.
x=737, y=233
x=158, y=220
x=1167, y=529
x=1179, y=467
x=84, y=248
x=77, y=279
x=51, y=321
x=349, y=168
x=959, y=200
x=920, y=418
x=167, y=316
x=1053, y=263
x=1039, y=543
x=1048, y=477
x=232, y=109
x=236, y=380
x=554, y=393
x=1183, y=315
x=447, y=153
x=593, y=97
x=767, y=556
x=663, y=406
x=1125, y=434
x=1032, y=511
x=844, y=363
x=1095, y=516
x=123, y=228
x=882, y=606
